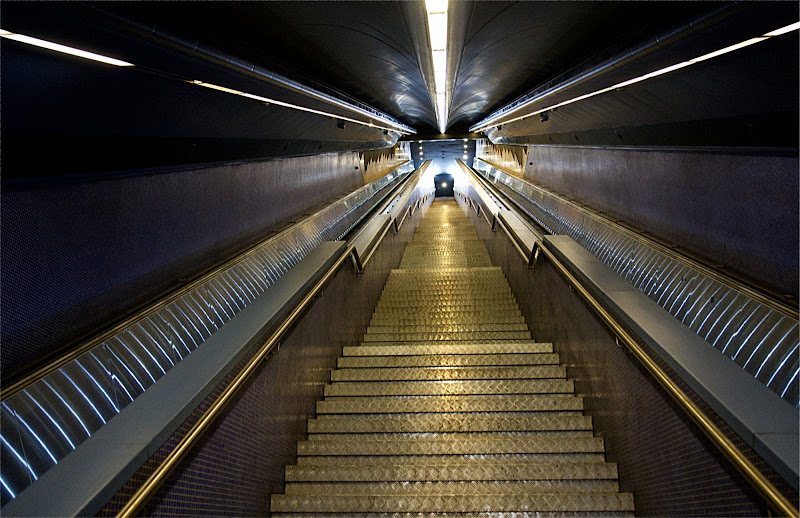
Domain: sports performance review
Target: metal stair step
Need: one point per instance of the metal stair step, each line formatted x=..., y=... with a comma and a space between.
x=492, y=514
x=448, y=404
x=453, y=422
x=474, y=304
x=453, y=471
x=453, y=318
x=451, y=348
x=454, y=503
x=446, y=328
x=465, y=336
x=434, y=487
x=450, y=388
x=432, y=313
x=446, y=360
x=523, y=443
x=561, y=435
x=450, y=373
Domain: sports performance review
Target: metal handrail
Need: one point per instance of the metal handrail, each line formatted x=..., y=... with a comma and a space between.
x=138, y=315
x=393, y=196
x=774, y=498
x=723, y=278
x=159, y=476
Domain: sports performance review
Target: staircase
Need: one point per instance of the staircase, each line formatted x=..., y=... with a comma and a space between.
x=448, y=408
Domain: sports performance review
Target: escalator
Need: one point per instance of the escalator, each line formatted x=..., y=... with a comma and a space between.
x=448, y=405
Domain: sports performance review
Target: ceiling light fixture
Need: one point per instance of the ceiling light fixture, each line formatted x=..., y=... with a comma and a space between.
x=655, y=73
x=289, y=105
x=63, y=48
x=112, y=61
x=437, y=30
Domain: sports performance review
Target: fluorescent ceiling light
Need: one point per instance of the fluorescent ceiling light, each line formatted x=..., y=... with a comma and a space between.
x=436, y=6
x=437, y=25
x=729, y=49
x=783, y=30
x=439, y=60
x=63, y=48
x=437, y=30
x=655, y=73
x=289, y=105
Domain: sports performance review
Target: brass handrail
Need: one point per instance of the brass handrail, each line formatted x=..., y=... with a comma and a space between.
x=134, y=505
x=774, y=498
x=771, y=300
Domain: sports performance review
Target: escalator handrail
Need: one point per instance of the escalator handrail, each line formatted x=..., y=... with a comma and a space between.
x=134, y=505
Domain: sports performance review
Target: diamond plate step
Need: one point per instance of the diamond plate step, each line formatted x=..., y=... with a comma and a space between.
x=453, y=503
x=453, y=488
x=449, y=373
x=446, y=328
x=525, y=442
x=453, y=422
x=446, y=303
x=434, y=312
x=453, y=471
x=465, y=296
x=454, y=317
x=466, y=335
x=452, y=273
x=372, y=460
x=450, y=388
x=453, y=348
x=447, y=404
x=447, y=360
x=492, y=514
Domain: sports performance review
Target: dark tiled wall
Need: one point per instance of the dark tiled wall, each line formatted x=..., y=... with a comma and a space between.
x=734, y=208
x=241, y=462
x=77, y=255
x=663, y=458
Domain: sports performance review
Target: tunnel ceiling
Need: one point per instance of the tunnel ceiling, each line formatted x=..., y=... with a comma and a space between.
x=378, y=53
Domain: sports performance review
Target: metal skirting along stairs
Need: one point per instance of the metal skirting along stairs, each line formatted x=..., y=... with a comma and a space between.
x=448, y=407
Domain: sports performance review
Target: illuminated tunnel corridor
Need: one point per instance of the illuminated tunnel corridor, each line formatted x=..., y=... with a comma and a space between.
x=419, y=258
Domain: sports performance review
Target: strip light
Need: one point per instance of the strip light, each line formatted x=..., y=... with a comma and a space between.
x=656, y=73
x=276, y=102
x=63, y=48
x=112, y=61
x=437, y=30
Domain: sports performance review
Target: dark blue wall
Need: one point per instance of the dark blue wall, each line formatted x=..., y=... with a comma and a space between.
x=734, y=208
x=77, y=255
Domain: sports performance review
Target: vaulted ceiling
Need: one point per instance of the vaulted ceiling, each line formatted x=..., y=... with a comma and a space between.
x=378, y=53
